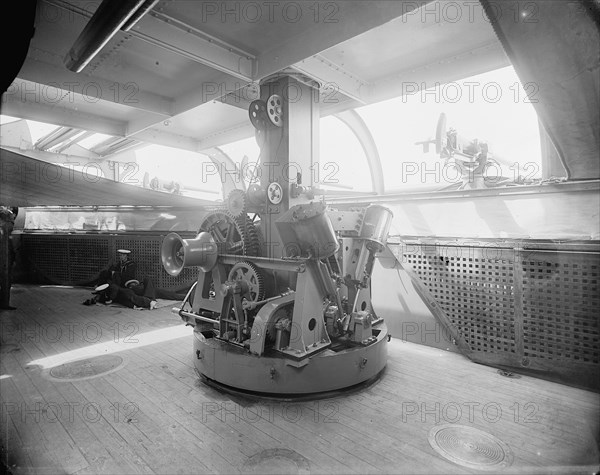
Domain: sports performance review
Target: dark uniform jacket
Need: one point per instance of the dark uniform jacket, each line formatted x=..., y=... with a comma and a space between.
x=123, y=272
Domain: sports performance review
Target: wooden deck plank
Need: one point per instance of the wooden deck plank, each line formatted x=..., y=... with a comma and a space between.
x=240, y=422
x=45, y=412
x=71, y=415
x=14, y=453
x=227, y=420
x=183, y=425
x=27, y=422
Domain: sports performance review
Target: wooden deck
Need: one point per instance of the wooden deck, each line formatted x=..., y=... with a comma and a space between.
x=152, y=415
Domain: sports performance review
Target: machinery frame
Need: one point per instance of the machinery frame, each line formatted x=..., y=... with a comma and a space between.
x=284, y=306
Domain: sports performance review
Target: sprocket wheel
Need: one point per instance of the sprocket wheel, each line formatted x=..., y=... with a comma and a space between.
x=232, y=235
x=252, y=275
x=236, y=203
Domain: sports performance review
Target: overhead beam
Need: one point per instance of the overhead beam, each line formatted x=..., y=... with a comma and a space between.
x=90, y=87
x=158, y=137
x=42, y=141
x=232, y=134
x=60, y=116
x=340, y=21
x=185, y=40
x=242, y=97
x=479, y=60
x=142, y=121
x=334, y=79
x=64, y=134
x=205, y=92
x=212, y=90
x=114, y=145
x=74, y=140
x=107, y=20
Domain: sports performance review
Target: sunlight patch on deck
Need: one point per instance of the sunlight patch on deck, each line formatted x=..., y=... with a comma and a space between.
x=130, y=343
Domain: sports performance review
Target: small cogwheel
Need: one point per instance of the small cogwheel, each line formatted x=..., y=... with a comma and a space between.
x=236, y=203
x=252, y=275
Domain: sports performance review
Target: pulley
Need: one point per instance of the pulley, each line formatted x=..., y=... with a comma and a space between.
x=275, y=193
x=275, y=110
x=258, y=114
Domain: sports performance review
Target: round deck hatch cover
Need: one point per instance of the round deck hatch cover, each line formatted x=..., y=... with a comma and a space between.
x=470, y=447
x=88, y=368
x=278, y=461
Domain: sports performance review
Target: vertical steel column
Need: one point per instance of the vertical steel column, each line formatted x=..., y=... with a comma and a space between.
x=289, y=152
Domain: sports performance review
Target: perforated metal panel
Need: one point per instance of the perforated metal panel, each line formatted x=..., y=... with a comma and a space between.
x=187, y=275
x=536, y=309
x=145, y=251
x=77, y=259
x=65, y=259
x=561, y=306
x=477, y=293
x=85, y=256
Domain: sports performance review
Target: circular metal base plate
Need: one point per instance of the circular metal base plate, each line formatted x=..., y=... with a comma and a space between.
x=88, y=368
x=277, y=461
x=277, y=375
x=251, y=395
x=470, y=447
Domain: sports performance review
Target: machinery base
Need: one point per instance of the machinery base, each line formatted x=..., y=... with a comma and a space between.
x=250, y=395
x=235, y=368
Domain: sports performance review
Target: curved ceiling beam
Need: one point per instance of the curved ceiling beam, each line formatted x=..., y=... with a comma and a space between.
x=354, y=121
x=229, y=173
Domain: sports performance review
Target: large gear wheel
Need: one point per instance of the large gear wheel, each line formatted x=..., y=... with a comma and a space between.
x=232, y=235
x=251, y=235
x=252, y=275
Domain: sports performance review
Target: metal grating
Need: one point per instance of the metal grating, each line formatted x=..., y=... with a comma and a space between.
x=187, y=275
x=85, y=257
x=475, y=292
x=561, y=304
x=48, y=256
x=68, y=259
x=145, y=251
x=521, y=308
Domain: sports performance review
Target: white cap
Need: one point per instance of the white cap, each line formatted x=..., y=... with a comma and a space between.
x=123, y=251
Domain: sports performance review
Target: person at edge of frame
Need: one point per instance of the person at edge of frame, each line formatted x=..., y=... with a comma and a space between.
x=8, y=214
